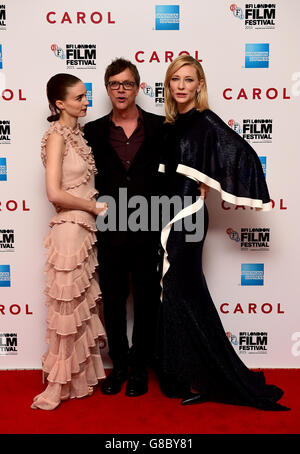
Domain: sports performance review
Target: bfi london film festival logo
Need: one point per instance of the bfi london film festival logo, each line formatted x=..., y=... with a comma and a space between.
x=249, y=342
x=167, y=17
x=156, y=93
x=2, y=17
x=4, y=132
x=89, y=93
x=252, y=274
x=8, y=344
x=4, y=275
x=254, y=130
x=3, y=169
x=7, y=240
x=77, y=56
x=251, y=238
x=257, y=55
x=256, y=15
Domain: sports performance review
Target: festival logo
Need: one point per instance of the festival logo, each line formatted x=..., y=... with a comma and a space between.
x=4, y=275
x=14, y=309
x=9, y=95
x=89, y=93
x=257, y=55
x=4, y=132
x=80, y=17
x=157, y=93
x=1, y=57
x=257, y=94
x=13, y=205
x=8, y=344
x=254, y=130
x=166, y=56
x=2, y=17
x=251, y=308
x=77, y=56
x=252, y=274
x=258, y=16
x=3, y=169
x=263, y=160
x=167, y=17
x=251, y=239
x=249, y=342
x=279, y=204
x=7, y=240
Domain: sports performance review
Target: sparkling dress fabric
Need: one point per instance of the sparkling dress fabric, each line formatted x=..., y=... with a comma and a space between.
x=193, y=349
x=75, y=333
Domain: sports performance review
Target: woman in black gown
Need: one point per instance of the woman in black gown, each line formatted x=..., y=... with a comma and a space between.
x=197, y=361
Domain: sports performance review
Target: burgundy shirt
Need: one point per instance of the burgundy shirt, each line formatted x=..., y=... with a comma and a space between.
x=126, y=147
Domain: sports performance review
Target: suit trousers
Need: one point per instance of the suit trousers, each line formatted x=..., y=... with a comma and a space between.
x=124, y=268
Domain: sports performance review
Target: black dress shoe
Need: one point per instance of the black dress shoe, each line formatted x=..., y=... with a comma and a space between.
x=113, y=383
x=194, y=399
x=137, y=384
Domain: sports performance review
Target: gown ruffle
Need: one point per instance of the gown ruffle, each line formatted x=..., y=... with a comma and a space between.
x=75, y=334
x=193, y=349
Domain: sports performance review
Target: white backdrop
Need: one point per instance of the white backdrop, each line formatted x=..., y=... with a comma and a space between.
x=265, y=318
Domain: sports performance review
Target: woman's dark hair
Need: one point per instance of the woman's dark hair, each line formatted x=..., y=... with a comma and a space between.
x=56, y=90
x=119, y=65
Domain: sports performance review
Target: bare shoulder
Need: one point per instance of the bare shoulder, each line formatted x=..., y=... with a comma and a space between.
x=55, y=144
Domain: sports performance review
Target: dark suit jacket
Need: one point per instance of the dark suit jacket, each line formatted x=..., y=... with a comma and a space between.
x=142, y=178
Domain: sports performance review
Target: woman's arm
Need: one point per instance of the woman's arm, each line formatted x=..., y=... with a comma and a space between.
x=57, y=196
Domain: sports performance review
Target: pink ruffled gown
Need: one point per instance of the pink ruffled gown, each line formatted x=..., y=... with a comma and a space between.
x=73, y=362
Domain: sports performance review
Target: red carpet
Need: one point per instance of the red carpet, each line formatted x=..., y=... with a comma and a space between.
x=152, y=413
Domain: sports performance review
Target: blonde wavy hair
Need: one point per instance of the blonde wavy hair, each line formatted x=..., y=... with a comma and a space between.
x=201, y=100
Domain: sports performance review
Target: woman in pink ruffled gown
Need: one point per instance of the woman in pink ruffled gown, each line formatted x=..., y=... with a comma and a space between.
x=73, y=363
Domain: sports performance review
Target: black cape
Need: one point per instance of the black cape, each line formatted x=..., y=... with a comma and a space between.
x=193, y=349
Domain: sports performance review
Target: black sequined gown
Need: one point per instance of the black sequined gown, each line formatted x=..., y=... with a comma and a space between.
x=194, y=350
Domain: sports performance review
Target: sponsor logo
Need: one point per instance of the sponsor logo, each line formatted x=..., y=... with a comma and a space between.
x=256, y=15
x=254, y=130
x=252, y=274
x=89, y=93
x=3, y=169
x=7, y=240
x=80, y=17
x=249, y=342
x=255, y=94
x=281, y=204
x=1, y=57
x=4, y=275
x=4, y=132
x=13, y=205
x=167, y=56
x=167, y=17
x=296, y=344
x=257, y=55
x=77, y=56
x=8, y=344
x=263, y=160
x=250, y=308
x=157, y=93
x=253, y=239
x=2, y=17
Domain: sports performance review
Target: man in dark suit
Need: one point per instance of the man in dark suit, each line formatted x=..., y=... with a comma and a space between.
x=125, y=144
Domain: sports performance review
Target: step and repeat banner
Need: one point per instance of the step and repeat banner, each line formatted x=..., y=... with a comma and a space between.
x=251, y=56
